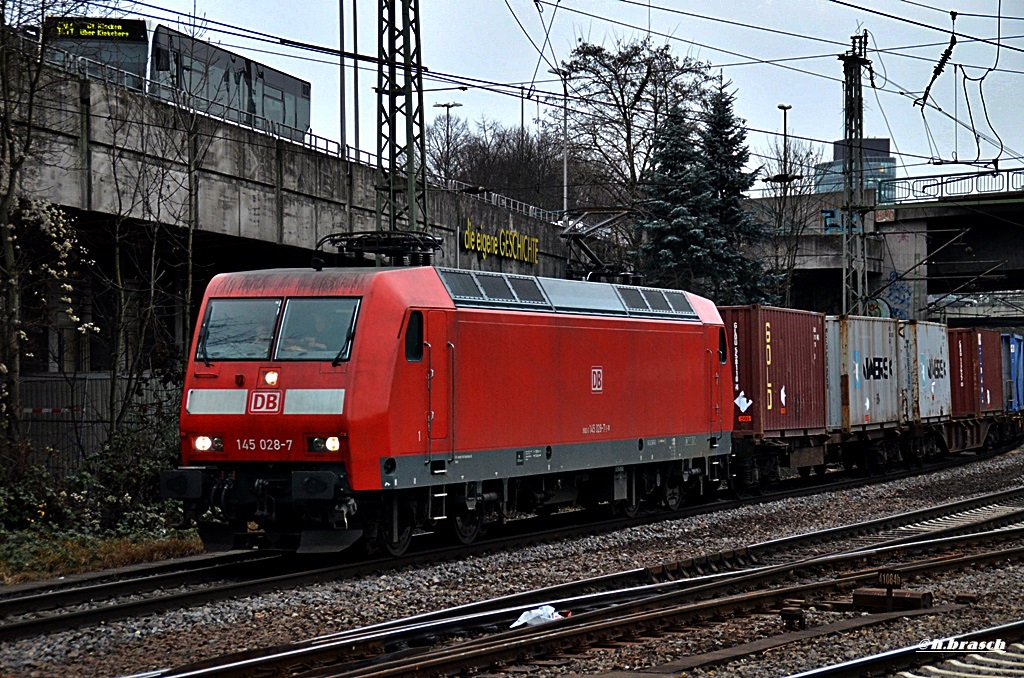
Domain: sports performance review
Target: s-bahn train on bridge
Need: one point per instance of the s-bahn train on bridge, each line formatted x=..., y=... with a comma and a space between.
x=326, y=407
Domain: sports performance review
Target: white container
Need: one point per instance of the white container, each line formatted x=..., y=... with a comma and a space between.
x=863, y=377
x=924, y=372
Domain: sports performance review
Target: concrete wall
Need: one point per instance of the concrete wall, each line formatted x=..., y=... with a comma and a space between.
x=904, y=269
x=118, y=153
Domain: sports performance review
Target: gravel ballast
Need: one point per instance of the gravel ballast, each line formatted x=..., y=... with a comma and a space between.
x=186, y=636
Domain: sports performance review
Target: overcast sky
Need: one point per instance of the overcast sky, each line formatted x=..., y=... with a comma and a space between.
x=482, y=40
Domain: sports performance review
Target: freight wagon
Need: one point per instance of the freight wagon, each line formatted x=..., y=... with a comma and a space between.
x=895, y=391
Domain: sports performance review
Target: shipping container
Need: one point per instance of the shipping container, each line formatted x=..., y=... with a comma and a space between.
x=924, y=372
x=1013, y=371
x=863, y=384
x=778, y=370
x=990, y=348
x=976, y=371
x=963, y=372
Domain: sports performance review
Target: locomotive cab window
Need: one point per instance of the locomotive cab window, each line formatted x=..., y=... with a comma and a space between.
x=237, y=329
x=723, y=346
x=317, y=329
x=414, y=337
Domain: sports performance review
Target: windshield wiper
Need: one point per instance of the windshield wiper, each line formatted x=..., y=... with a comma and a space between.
x=203, y=335
x=348, y=340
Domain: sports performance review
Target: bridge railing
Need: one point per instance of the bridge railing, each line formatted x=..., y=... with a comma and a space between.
x=510, y=204
x=920, y=189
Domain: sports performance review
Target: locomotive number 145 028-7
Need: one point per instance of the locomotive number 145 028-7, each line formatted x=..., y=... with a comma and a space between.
x=264, y=444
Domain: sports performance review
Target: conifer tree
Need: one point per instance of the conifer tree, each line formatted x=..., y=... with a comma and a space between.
x=697, y=234
x=679, y=239
x=741, y=278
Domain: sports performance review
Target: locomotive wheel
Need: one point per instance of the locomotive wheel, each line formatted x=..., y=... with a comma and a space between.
x=628, y=507
x=673, y=495
x=804, y=471
x=820, y=469
x=398, y=544
x=466, y=526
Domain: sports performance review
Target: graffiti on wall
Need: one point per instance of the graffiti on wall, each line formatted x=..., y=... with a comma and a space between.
x=899, y=295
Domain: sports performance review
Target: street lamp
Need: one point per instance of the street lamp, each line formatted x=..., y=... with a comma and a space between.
x=785, y=177
x=785, y=137
x=448, y=135
x=564, y=77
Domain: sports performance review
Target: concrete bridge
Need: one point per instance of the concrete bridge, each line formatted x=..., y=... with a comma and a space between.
x=973, y=225
x=110, y=152
x=942, y=238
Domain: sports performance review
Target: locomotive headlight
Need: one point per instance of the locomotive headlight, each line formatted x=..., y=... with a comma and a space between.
x=324, y=444
x=270, y=378
x=206, y=443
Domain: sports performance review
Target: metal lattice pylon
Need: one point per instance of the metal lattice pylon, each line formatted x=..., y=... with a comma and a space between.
x=401, y=145
x=854, y=253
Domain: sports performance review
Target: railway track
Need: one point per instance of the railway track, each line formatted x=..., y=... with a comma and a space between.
x=618, y=608
x=922, y=661
x=47, y=607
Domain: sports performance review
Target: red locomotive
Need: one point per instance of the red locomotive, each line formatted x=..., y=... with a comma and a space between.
x=322, y=407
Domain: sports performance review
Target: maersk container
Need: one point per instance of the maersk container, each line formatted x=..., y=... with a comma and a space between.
x=1013, y=371
x=863, y=383
x=923, y=372
x=976, y=371
x=778, y=370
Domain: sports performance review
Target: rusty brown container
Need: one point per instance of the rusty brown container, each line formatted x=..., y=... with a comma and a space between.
x=990, y=371
x=975, y=371
x=778, y=370
x=963, y=373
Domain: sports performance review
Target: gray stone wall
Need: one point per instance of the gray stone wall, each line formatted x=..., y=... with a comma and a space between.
x=118, y=153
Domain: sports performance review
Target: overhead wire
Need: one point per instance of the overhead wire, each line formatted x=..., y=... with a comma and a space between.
x=493, y=86
x=691, y=42
x=918, y=23
x=941, y=65
x=767, y=29
x=982, y=16
x=981, y=83
x=878, y=101
x=541, y=57
x=902, y=92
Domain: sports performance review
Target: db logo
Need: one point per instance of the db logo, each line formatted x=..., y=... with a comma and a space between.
x=265, y=402
x=596, y=379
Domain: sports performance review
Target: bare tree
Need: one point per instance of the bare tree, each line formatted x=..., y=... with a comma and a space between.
x=447, y=135
x=147, y=202
x=619, y=101
x=156, y=153
x=519, y=163
x=791, y=205
x=37, y=240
